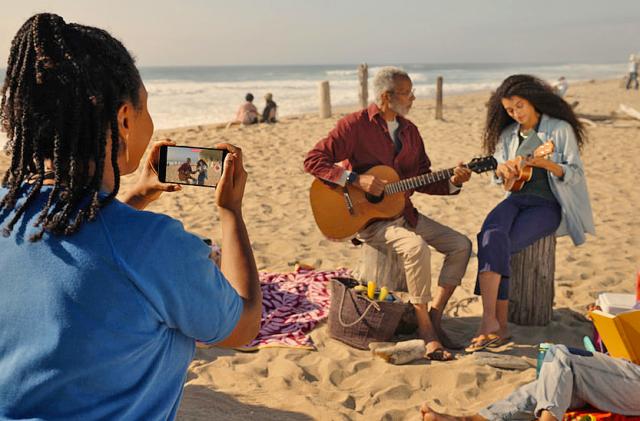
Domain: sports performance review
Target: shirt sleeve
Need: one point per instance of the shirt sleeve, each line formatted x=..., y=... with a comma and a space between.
x=337, y=146
x=567, y=154
x=184, y=289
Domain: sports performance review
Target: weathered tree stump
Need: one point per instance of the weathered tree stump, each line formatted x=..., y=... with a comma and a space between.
x=382, y=265
x=531, y=286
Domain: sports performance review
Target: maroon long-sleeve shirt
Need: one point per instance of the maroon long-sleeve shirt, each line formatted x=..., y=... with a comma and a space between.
x=361, y=140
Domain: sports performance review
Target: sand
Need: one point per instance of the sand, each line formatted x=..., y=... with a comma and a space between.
x=337, y=382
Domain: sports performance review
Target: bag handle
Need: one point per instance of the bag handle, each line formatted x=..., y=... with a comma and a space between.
x=359, y=319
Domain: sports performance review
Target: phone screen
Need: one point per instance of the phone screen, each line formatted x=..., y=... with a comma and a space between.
x=191, y=165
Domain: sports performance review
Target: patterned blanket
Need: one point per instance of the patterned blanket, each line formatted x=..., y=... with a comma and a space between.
x=293, y=304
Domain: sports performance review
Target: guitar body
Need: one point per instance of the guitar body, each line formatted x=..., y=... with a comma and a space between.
x=340, y=216
x=516, y=183
x=331, y=211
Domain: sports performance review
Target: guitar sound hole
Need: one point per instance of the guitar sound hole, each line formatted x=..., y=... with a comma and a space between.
x=374, y=199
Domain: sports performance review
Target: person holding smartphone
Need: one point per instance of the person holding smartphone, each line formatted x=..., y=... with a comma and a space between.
x=100, y=309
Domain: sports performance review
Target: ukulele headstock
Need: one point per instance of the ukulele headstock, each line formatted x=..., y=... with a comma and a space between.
x=483, y=164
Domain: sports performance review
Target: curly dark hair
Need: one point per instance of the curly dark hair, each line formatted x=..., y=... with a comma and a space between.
x=62, y=91
x=541, y=97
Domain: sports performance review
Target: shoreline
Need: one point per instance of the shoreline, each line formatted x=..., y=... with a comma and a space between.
x=345, y=109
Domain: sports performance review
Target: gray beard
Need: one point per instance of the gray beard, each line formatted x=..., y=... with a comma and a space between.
x=399, y=109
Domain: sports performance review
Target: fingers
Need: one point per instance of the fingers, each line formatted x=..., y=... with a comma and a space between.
x=170, y=187
x=233, y=150
x=154, y=155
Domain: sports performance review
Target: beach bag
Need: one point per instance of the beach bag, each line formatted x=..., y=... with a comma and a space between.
x=357, y=320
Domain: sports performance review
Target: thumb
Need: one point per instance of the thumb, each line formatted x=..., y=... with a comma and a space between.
x=228, y=171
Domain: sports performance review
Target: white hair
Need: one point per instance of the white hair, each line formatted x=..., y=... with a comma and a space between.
x=385, y=80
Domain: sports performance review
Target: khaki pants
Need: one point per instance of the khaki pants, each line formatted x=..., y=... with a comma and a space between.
x=412, y=245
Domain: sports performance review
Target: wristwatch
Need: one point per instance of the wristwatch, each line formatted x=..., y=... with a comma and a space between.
x=352, y=177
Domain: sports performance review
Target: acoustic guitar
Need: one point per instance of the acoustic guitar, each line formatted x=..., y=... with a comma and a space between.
x=340, y=212
x=525, y=172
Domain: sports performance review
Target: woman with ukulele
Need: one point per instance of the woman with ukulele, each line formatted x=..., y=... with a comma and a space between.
x=528, y=129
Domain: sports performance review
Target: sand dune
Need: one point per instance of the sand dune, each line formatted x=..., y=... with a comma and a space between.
x=340, y=383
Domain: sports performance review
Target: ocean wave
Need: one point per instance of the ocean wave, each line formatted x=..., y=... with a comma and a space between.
x=178, y=102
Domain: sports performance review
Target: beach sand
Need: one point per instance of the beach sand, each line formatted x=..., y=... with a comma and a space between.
x=340, y=383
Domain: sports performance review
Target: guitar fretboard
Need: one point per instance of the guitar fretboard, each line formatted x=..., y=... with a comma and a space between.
x=417, y=181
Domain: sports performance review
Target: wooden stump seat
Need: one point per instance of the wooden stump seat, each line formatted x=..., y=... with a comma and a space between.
x=531, y=287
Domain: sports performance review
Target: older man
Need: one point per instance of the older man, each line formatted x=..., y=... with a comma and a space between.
x=381, y=135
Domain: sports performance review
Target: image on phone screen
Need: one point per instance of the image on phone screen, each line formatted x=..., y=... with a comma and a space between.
x=190, y=165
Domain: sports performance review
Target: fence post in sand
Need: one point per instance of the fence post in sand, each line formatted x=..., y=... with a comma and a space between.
x=531, y=289
x=363, y=78
x=325, y=100
x=439, y=99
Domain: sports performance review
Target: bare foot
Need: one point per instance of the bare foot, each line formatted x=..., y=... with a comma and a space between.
x=488, y=325
x=436, y=321
x=429, y=414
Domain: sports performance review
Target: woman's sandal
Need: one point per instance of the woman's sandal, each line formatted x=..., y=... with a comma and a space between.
x=481, y=342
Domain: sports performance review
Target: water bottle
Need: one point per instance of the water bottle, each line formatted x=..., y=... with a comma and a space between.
x=542, y=351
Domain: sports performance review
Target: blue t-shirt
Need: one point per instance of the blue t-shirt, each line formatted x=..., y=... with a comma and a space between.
x=102, y=324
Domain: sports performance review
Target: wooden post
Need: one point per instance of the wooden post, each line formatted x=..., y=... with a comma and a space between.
x=439, y=99
x=325, y=100
x=363, y=78
x=531, y=289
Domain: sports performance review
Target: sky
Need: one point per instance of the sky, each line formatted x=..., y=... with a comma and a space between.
x=227, y=32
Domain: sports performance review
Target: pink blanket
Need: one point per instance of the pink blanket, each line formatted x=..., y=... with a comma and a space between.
x=293, y=304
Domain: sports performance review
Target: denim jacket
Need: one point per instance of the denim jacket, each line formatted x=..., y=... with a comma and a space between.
x=571, y=189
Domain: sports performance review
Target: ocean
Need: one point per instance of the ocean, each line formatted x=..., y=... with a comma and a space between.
x=186, y=96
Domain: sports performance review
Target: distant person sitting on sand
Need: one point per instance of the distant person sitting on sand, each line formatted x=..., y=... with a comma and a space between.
x=185, y=172
x=523, y=114
x=560, y=86
x=569, y=379
x=201, y=168
x=269, y=112
x=102, y=303
x=247, y=113
x=633, y=71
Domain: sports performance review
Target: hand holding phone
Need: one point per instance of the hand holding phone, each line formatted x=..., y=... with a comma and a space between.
x=231, y=188
x=191, y=165
x=148, y=187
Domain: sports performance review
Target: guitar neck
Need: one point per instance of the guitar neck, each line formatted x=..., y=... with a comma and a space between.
x=418, y=181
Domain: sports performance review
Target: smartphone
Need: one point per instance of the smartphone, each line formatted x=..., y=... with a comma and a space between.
x=191, y=165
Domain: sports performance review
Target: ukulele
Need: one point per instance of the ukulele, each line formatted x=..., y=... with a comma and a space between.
x=525, y=172
x=340, y=212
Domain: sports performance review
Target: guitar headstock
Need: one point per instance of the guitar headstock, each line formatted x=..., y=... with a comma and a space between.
x=483, y=164
x=545, y=149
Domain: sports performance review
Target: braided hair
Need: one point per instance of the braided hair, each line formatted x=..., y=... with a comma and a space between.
x=62, y=91
x=541, y=97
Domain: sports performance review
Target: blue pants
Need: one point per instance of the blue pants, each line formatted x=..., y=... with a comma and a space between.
x=517, y=222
